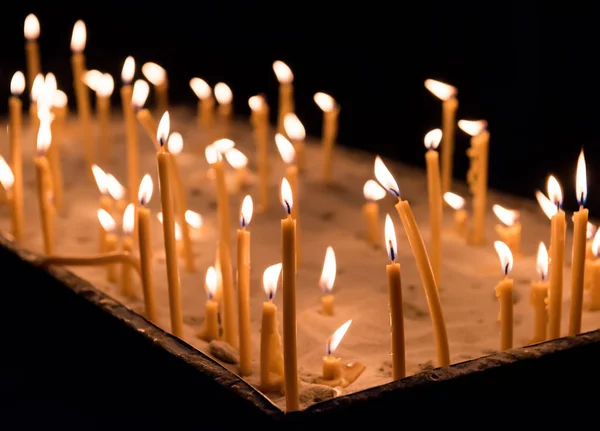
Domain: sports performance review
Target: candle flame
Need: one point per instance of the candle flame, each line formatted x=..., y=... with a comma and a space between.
x=193, y=219
x=286, y=149
x=542, y=261
x=31, y=27
x=433, y=138
x=177, y=229
x=271, y=279
x=546, y=204
x=128, y=70
x=59, y=99
x=287, y=198
x=129, y=219
x=164, y=125
x=175, y=144
x=329, y=271
x=211, y=154
x=373, y=191
x=50, y=84
x=385, y=177
x=236, y=158
x=17, y=84
x=324, y=101
x=293, y=127
x=101, y=179
x=115, y=189
x=506, y=216
x=145, y=190
x=37, y=87
x=92, y=78
x=334, y=341
x=554, y=191
x=472, y=128
x=106, y=221
x=590, y=230
x=581, y=180
x=210, y=284
x=596, y=243
x=256, y=103
x=283, y=72
x=139, y=93
x=105, y=85
x=78, y=37
x=44, y=137
x=455, y=201
x=7, y=179
x=246, y=211
x=223, y=93
x=154, y=73
x=505, y=255
x=391, y=244
x=223, y=145
x=441, y=90
x=200, y=88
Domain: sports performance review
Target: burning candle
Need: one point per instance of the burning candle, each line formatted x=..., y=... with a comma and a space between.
x=590, y=232
x=271, y=361
x=105, y=203
x=326, y=281
x=593, y=272
x=331, y=111
x=15, y=109
x=117, y=192
x=539, y=297
x=145, y=244
x=133, y=156
x=7, y=180
x=461, y=217
x=144, y=117
x=395, y=302
x=210, y=331
x=504, y=291
x=59, y=110
x=206, y=106
x=477, y=176
x=166, y=200
x=290, y=359
x=128, y=224
x=243, y=282
x=44, y=185
x=224, y=97
x=239, y=162
x=332, y=367
x=447, y=94
x=110, y=239
x=557, y=252
x=195, y=222
x=579, y=245
x=373, y=192
x=434, y=190
x=32, y=49
x=510, y=233
x=285, y=77
x=415, y=240
x=36, y=89
x=157, y=76
x=104, y=89
x=260, y=122
x=296, y=132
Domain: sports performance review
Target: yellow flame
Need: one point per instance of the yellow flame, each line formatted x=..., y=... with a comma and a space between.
x=324, y=101
x=271, y=279
x=159, y=217
x=329, y=271
x=441, y=90
x=334, y=341
x=101, y=179
x=391, y=244
x=106, y=221
x=433, y=138
x=193, y=219
x=455, y=201
x=154, y=73
x=78, y=37
x=590, y=230
x=92, y=78
x=59, y=99
x=200, y=88
x=385, y=177
x=287, y=199
x=115, y=189
x=472, y=128
x=7, y=179
x=581, y=180
x=178, y=233
x=505, y=255
x=31, y=29
x=506, y=216
x=164, y=126
x=256, y=103
x=546, y=204
x=17, y=83
x=236, y=158
x=373, y=191
x=37, y=87
x=542, y=261
x=293, y=127
x=554, y=191
x=223, y=145
x=105, y=85
x=283, y=72
x=44, y=137
x=175, y=144
x=210, y=283
x=596, y=243
x=285, y=147
x=129, y=219
x=246, y=211
x=145, y=190
x=211, y=154
x=50, y=84
x=223, y=93
x=139, y=93
x=128, y=70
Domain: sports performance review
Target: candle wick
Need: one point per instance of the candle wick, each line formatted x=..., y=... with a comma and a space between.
x=395, y=192
x=243, y=222
x=328, y=348
x=288, y=208
x=271, y=294
x=392, y=252
x=506, y=270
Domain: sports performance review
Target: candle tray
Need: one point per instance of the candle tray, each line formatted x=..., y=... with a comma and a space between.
x=73, y=352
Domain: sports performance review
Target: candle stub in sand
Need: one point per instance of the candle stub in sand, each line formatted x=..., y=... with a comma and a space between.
x=461, y=216
x=510, y=231
x=373, y=192
x=504, y=291
x=327, y=280
x=210, y=328
x=271, y=359
x=539, y=296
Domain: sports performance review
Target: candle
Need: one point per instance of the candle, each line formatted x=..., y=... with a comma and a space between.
x=157, y=76
x=145, y=244
x=78, y=39
x=104, y=90
x=590, y=259
x=59, y=110
x=539, y=297
x=510, y=233
x=372, y=192
x=447, y=93
x=144, y=117
x=271, y=361
x=166, y=200
x=15, y=109
x=415, y=240
x=206, y=108
x=210, y=330
x=32, y=49
x=44, y=185
x=260, y=122
x=105, y=203
x=557, y=252
x=243, y=283
x=395, y=302
x=285, y=77
x=290, y=359
x=224, y=97
x=296, y=132
x=590, y=232
x=239, y=162
x=128, y=224
x=434, y=190
x=7, y=180
x=332, y=368
x=175, y=145
x=133, y=156
x=36, y=89
x=477, y=176
x=331, y=111
x=593, y=273
x=110, y=239
x=326, y=281
x=45, y=103
x=117, y=192
x=504, y=291
x=195, y=222
x=579, y=245
x=461, y=217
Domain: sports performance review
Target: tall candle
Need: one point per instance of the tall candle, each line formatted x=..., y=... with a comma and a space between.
x=36, y=90
x=461, y=217
x=504, y=291
x=32, y=49
x=331, y=111
x=15, y=109
x=373, y=192
x=44, y=186
x=166, y=200
x=110, y=239
x=7, y=181
x=290, y=359
x=210, y=329
x=395, y=302
x=592, y=269
x=447, y=94
x=415, y=240
x=327, y=280
x=539, y=297
x=104, y=89
x=332, y=368
x=510, y=231
x=133, y=156
x=59, y=110
x=224, y=97
x=295, y=131
x=145, y=244
x=157, y=76
x=128, y=225
x=285, y=77
x=206, y=109
x=271, y=361
x=260, y=123
x=557, y=252
x=139, y=95
x=243, y=284
x=434, y=190
x=239, y=162
x=105, y=202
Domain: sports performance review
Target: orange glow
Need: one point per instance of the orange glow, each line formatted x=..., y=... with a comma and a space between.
x=385, y=177
x=101, y=179
x=145, y=190
x=44, y=138
x=472, y=128
x=128, y=70
x=154, y=73
x=193, y=219
x=256, y=103
x=210, y=283
x=246, y=211
x=286, y=149
x=287, y=199
x=554, y=191
x=17, y=84
x=139, y=93
x=200, y=88
x=334, y=341
x=283, y=72
x=391, y=243
x=440, y=89
x=223, y=93
x=324, y=101
x=106, y=221
x=236, y=158
x=505, y=255
x=546, y=204
x=542, y=261
x=455, y=201
x=329, y=271
x=271, y=279
x=433, y=138
x=175, y=144
x=78, y=37
x=7, y=179
x=129, y=219
x=115, y=189
x=506, y=216
x=164, y=126
x=581, y=180
x=293, y=127
x=32, y=27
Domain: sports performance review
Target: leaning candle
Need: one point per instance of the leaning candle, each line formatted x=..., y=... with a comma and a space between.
x=210, y=329
x=260, y=123
x=290, y=359
x=331, y=111
x=295, y=131
x=415, y=240
x=206, y=108
x=243, y=283
x=157, y=76
x=145, y=244
x=285, y=77
x=164, y=174
x=271, y=361
x=131, y=133
x=332, y=367
x=44, y=186
x=504, y=291
x=510, y=233
x=539, y=297
x=128, y=225
x=104, y=89
x=239, y=162
x=224, y=97
x=461, y=217
x=105, y=203
x=434, y=191
x=372, y=192
x=326, y=281
x=32, y=49
x=15, y=109
x=110, y=239
x=447, y=93
x=557, y=252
